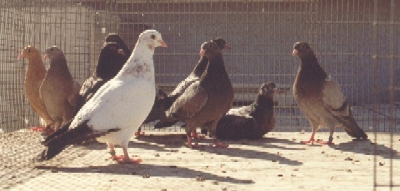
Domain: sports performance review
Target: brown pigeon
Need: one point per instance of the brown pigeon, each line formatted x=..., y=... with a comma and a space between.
x=205, y=101
x=59, y=90
x=33, y=79
x=320, y=98
x=252, y=121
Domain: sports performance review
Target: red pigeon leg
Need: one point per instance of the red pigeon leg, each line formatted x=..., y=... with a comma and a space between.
x=189, y=143
x=196, y=135
x=311, y=139
x=124, y=159
x=327, y=142
x=38, y=129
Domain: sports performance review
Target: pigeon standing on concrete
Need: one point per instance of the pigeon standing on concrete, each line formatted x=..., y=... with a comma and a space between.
x=320, y=98
x=205, y=101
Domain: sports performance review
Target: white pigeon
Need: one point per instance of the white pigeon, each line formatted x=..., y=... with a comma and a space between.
x=118, y=108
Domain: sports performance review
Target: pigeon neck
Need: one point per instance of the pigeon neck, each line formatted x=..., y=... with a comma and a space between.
x=309, y=60
x=201, y=66
x=264, y=101
x=35, y=64
x=59, y=64
x=140, y=64
x=215, y=69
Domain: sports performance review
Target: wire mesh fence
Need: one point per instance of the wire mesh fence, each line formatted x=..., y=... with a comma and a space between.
x=356, y=41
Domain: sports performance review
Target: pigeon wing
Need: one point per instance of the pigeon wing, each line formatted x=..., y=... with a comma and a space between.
x=189, y=103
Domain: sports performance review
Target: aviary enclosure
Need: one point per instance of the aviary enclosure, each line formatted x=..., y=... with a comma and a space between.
x=356, y=41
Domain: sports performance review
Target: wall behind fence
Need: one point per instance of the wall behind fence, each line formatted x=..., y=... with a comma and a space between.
x=356, y=42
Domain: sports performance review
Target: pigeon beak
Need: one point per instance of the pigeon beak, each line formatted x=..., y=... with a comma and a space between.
x=202, y=51
x=120, y=51
x=21, y=56
x=227, y=47
x=163, y=44
x=294, y=53
x=45, y=57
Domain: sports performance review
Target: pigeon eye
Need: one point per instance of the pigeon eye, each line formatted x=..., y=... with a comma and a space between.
x=29, y=50
x=210, y=46
x=153, y=36
x=112, y=48
x=51, y=49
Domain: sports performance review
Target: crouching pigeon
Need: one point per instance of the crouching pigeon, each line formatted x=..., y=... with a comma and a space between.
x=320, y=98
x=118, y=108
x=252, y=121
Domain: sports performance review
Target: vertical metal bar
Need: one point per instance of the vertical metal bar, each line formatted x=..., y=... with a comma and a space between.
x=391, y=88
x=376, y=87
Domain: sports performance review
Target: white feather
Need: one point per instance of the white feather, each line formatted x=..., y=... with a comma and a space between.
x=123, y=102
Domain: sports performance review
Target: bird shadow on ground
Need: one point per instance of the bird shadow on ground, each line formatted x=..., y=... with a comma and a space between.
x=368, y=148
x=149, y=142
x=270, y=143
x=252, y=154
x=147, y=171
x=176, y=140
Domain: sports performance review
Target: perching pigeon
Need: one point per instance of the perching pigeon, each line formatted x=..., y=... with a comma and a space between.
x=33, y=80
x=250, y=122
x=59, y=90
x=320, y=98
x=165, y=103
x=205, y=101
x=118, y=108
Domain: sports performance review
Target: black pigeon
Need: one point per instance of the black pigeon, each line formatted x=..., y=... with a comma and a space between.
x=252, y=121
x=320, y=98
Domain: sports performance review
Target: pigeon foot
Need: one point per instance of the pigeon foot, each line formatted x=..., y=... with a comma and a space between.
x=197, y=135
x=139, y=133
x=121, y=159
x=218, y=144
x=38, y=129
x=307, y=142
x=325, y=142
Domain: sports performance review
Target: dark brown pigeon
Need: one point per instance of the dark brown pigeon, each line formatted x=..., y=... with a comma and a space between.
x=205, y=101
x=320, y=98
x=252, y=121
x=165, y=103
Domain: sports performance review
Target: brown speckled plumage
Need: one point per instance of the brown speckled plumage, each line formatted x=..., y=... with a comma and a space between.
x=320, y=98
